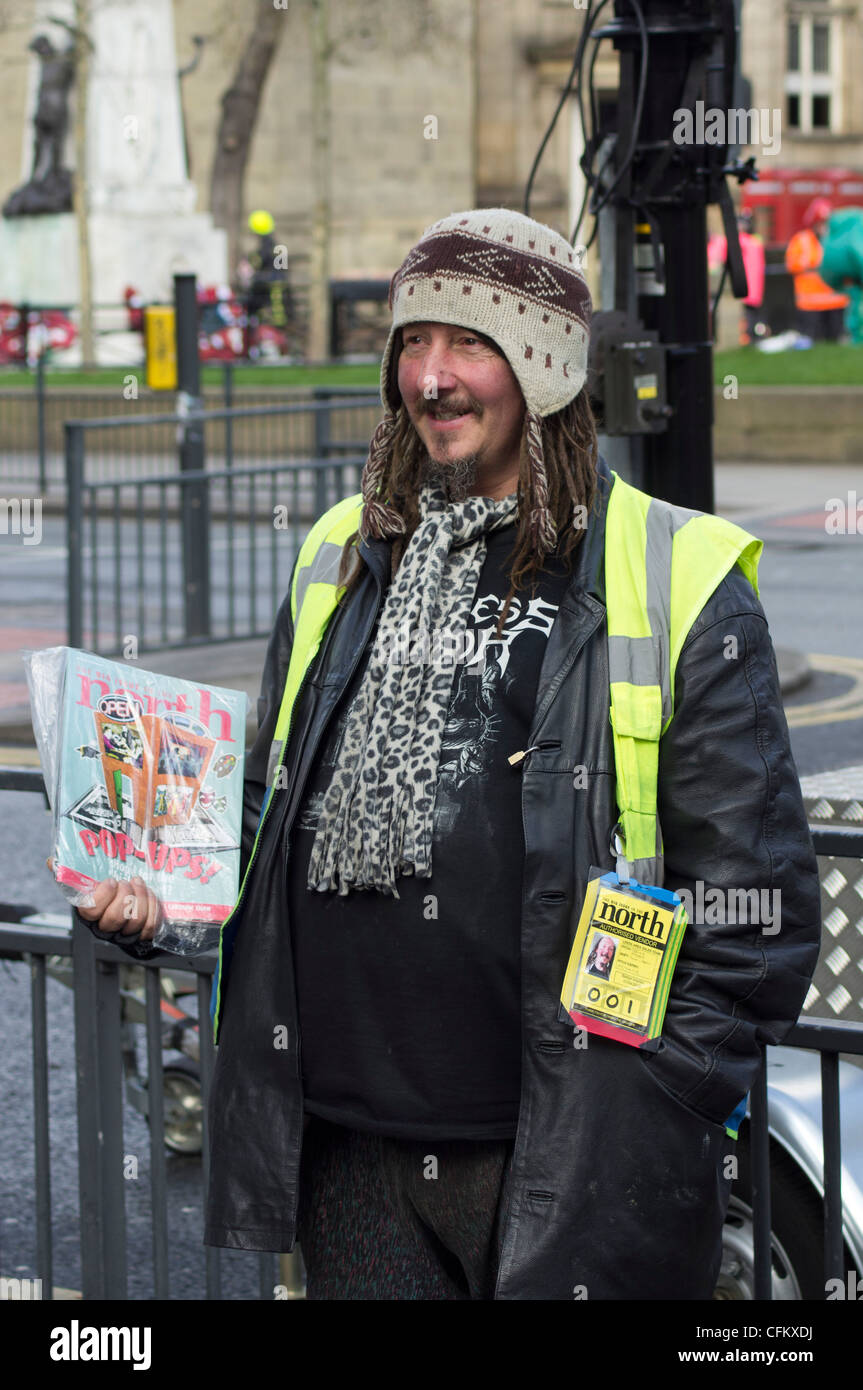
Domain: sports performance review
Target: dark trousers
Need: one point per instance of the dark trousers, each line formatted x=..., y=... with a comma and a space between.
x=383, y=1219
x=822, y=326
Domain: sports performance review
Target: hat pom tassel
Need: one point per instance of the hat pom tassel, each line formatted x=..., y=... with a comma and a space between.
x=378, y=519
x=540, y=520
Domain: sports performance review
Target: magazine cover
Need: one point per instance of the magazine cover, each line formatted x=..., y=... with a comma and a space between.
x=622, y=959
x=145, y=777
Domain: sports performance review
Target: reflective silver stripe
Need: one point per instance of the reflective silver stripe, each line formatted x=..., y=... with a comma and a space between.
x=645, y=660
x=650, y=870
x=660, y=529
x=677, y=516
x=273, y=760
x=635, y=660
x=324, y=569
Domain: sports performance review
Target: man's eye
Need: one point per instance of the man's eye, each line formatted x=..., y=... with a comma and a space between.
x=469, y=339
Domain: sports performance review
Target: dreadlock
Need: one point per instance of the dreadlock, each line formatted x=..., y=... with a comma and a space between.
x=565, y=486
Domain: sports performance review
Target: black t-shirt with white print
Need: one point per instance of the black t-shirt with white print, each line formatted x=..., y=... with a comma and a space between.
x=410, y=1009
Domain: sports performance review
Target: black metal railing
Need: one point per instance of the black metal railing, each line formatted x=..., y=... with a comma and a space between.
x=96, y=967
x=32, y=420
x=178, y=557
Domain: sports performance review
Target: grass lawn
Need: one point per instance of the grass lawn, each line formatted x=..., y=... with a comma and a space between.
x=354, y=374
x=826, y=364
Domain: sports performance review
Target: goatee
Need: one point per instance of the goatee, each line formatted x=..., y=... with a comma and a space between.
x=457, y=476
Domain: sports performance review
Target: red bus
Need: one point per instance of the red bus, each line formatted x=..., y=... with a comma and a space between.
x=781, y=196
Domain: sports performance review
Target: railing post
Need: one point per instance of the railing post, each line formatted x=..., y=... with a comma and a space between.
x=831, y=1138
x=156, y=1121
x=40, y=421
x=87, y=1076
x=228, y=402
x=98, y=1057
x=322, y=425
x=74, y=436
x=41, y=1128
x=194, y=501
x=760, y=1154
x=212, y=1260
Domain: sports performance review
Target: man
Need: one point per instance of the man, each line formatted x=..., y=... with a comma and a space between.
x=267, y=291
x=820, y=309
x=392, y=1078
x=600, y=958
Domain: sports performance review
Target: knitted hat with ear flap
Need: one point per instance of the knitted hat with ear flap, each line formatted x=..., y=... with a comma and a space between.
x=519, y=283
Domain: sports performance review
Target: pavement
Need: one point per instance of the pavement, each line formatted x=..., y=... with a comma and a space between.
x=780, y=503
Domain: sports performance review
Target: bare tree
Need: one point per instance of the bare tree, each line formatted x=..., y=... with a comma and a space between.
x=83, y=47
x=318, y=342
x=240, y=105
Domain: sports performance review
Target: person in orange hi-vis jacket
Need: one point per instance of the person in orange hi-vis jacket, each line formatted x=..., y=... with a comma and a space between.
x=820, y=310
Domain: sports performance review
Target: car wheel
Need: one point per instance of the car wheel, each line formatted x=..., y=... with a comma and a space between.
x=797, y=1233
x=183, y=1107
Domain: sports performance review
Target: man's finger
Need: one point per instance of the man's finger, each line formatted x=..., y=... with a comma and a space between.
x=103, y=894
x=154, y=916
x=134, y=907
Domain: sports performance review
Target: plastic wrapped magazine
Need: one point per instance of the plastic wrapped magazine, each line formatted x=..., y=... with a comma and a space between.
x=145, y=778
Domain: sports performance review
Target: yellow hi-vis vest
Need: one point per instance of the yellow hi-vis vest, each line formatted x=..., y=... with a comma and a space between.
x=662, y=563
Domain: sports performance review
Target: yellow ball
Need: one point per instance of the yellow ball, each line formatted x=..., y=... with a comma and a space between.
x=261, y=223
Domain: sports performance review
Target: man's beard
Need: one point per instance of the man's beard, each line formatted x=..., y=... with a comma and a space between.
x=457, y=476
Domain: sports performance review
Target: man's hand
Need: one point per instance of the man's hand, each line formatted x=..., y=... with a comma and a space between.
x=127, y=906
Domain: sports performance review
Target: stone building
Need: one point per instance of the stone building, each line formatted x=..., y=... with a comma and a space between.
x=436, y=105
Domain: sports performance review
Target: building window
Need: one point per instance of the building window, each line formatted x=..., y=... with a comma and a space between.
x=820, y=47
x=821, y=113
x=812, y=76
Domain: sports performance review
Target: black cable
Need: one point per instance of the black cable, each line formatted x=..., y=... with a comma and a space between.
x=594, y=180
x=589, y=140
x=580, y=215
x=591, y=86
x=716, y=299
x=589, y=22
x=636, y=123
x=576, y=67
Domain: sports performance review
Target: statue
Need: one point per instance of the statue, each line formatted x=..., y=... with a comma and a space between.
x=49, y=188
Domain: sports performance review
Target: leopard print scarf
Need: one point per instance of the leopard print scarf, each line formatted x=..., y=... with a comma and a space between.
x=377, y=816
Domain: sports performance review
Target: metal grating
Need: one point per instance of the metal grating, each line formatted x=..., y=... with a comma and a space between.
x=836, y=799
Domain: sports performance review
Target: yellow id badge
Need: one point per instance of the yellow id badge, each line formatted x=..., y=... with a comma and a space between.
x=622, y=959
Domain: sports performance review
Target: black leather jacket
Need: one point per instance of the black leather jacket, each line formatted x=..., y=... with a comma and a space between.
x=617, y=1187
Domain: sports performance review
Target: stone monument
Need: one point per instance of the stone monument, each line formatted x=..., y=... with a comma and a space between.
x=142, y=220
